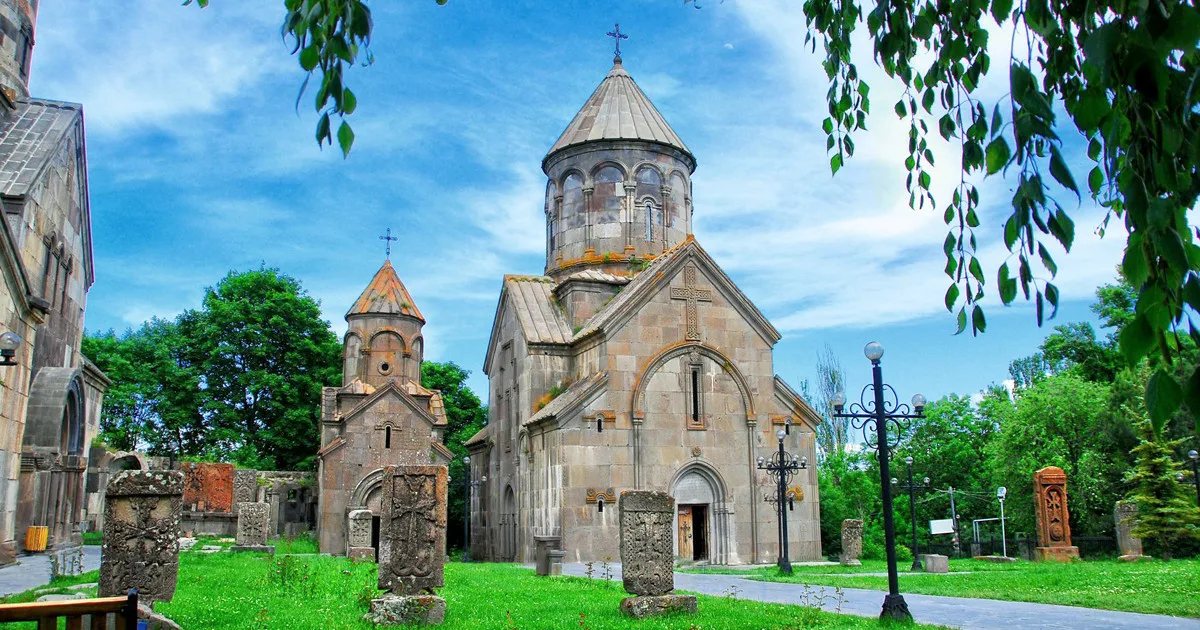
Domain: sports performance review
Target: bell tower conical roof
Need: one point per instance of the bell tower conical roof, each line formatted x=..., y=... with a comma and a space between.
x=618, y=110
x=385, y=295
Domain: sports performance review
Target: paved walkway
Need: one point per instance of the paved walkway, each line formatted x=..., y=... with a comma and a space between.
x=956, y=612
x=34, y=571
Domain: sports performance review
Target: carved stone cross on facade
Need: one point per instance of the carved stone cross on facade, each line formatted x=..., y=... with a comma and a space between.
x=692, y=296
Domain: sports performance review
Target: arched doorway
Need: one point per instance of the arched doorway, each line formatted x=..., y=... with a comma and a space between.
x=508, y=527
x=701, y=515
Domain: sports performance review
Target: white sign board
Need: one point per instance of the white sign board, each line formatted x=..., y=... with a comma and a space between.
x=943, y=526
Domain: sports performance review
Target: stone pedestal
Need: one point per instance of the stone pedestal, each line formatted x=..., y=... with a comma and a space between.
x=644, y=606
x=142, y=511
x=1056, y=554
x=1125, y=517
x=410, y=610
x=556, y=558
x=935, y=563
x=1053, y=518
x=361, y=553
x=852, y=529
x=543, y=546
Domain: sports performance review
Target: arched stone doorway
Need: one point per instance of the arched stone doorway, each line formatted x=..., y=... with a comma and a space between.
x=367, y=495
x=701, y=514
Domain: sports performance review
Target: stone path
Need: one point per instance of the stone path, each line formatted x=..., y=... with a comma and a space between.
x=955, y=612
x=34, y=571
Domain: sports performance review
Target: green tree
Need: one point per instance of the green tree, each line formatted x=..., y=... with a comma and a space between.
x=1055, y=422
x=1123, y=72
x=1166, y=512
x=833, y=433
x=265, y=353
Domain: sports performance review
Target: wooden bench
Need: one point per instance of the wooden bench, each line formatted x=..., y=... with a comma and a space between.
x=47, y=614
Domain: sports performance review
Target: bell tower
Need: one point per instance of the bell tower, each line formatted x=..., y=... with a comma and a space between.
x=17, y=18
x=384, y=341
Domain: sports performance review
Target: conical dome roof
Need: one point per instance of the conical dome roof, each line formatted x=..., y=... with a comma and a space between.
x=618, y=110
x=385, y=295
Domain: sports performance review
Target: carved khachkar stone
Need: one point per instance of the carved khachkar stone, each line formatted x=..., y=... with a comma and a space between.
x=1125, y=516
x=852, y=529
x=412, y=546
x=245, y=486
x=647, y=555
x=1053, y=519
x=412, y=532
x=252, y=527
x=142, y=510
x=359, y=535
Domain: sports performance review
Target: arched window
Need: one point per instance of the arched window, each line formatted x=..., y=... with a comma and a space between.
x=572, y=204
x=551, y=214
x=609, y=190
x=649, y=184
x=677, y=210
x=387, y=436
x=649, y=220
x=353, y=351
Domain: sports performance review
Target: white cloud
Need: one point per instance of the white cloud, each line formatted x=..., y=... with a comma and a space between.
x=148, y=63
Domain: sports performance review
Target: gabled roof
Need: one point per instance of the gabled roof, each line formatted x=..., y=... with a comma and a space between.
x=385, y=295
x=30, y=139
x=392, y=388
x=618, y=110
x=569, y=400
x=533, y=303
x=658, y=273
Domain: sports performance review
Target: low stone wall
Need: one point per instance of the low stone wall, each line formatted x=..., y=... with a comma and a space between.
x=221, y=524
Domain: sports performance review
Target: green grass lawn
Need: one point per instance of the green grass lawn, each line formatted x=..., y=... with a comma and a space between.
x=250, y=590
x=1165, y=588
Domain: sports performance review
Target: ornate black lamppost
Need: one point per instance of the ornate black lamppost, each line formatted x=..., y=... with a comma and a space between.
x=912, y=504
x=880, y=409
x=782, y=467
x=470, y=486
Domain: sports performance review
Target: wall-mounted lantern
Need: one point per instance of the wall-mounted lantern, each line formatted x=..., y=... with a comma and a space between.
x=9, y=342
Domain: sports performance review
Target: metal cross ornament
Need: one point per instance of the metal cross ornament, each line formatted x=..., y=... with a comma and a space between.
x=388, y=238
x=617, y=35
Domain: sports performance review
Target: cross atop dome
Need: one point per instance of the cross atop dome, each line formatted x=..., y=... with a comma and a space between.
x=617, y=35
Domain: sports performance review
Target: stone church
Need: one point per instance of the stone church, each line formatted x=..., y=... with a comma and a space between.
x=633, y=363
x=379, y=417
x=50, y=395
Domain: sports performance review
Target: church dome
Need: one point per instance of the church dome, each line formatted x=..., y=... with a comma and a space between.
x=618, y=189
x=618, y=110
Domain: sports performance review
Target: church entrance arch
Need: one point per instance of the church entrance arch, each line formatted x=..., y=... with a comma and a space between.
x=701, y=514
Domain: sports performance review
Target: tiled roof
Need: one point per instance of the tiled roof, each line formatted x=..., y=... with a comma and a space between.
x=29, y=140
x=618, y=110
x=385, y=295
x=532, y=299
x=574, y=395
x=617, y=304
x=478, y=438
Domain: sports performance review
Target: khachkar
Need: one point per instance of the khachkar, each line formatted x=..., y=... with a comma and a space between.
x=647, y=559
x=852, y=529
x=412, y=546
x=142, y=510
x=245, y=487
x=252, y=527
x=1053, y=519
x=359, y=543
x=1125, y=517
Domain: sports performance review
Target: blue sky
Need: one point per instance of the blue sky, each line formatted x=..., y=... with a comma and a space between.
x=199, y=163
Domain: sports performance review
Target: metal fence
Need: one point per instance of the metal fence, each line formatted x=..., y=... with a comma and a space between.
x=1019, y=546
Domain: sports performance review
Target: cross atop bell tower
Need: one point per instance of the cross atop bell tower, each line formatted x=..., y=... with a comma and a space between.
x=617, y=35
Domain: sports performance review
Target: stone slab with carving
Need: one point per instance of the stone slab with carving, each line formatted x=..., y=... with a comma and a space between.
x=852, y=529
x=358, y=531
x=1053, y=517
x=252, y=524
x=1124, y=517
x=647, y=536
x=245, y=487
x=142, y=511
x=412, y=530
